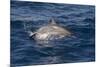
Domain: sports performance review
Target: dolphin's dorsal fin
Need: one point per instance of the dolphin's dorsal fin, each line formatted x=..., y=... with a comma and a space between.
x=52, y=22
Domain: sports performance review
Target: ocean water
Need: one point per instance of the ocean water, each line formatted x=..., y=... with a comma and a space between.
x=79, y=19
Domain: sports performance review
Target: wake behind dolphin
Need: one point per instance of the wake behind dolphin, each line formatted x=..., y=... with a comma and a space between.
x=49, y=32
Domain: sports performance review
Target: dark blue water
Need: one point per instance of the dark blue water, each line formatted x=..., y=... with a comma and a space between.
x=79, y=19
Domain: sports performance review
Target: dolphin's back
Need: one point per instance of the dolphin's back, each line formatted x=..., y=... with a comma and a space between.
x=51, y=31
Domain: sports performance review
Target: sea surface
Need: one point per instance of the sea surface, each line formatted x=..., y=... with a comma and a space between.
x=78, y=19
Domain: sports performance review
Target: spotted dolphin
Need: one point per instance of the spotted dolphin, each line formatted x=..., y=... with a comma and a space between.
x=50, y=31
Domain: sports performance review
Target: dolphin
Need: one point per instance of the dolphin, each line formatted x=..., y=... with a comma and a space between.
x=50, y=31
